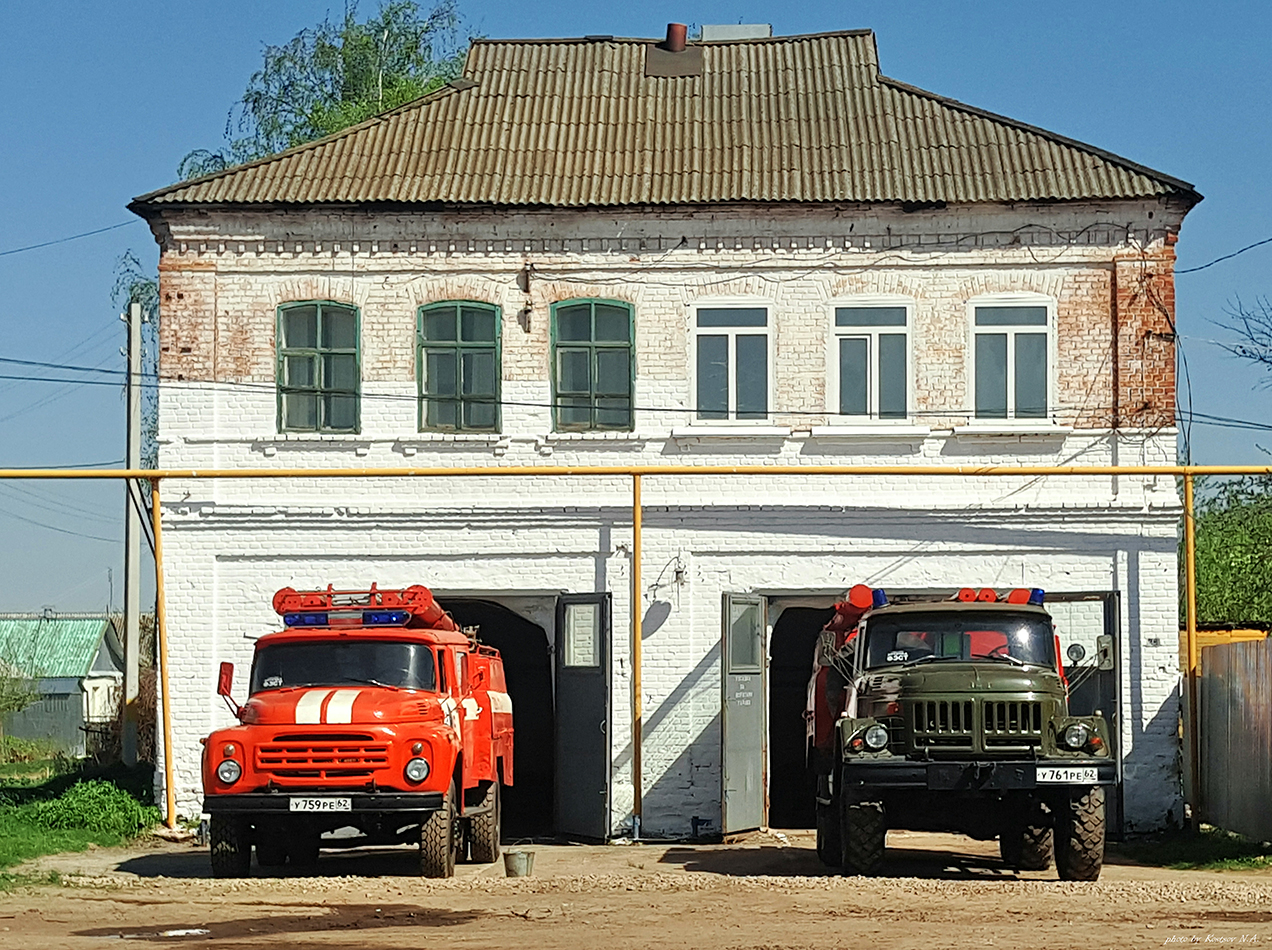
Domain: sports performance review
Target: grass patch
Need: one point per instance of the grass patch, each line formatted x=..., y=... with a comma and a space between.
x=1210, y=849
x=70, y=813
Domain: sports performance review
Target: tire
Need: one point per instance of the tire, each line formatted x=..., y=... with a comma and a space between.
x=830, y=848
x=271, y=849
x=1026, y=841
x=231, y=846
x=484, y=828
x=439, y=839
x=863, y=831
x=302, y=850
x=1080, y=834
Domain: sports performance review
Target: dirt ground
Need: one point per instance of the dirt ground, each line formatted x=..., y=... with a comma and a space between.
x=766, y=893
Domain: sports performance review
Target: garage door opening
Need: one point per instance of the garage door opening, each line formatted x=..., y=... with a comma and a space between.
x=527, y=803
x=790, y=780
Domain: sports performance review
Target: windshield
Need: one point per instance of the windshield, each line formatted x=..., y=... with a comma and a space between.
x=962, y=635
x=343, y=663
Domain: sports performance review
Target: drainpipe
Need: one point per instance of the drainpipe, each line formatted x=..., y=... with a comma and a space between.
x=161, y=635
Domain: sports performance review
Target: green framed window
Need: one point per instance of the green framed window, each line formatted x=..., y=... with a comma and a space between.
x=457, y=356
x=319, y=367
x=593, y=364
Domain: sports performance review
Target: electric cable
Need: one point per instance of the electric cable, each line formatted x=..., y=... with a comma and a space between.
x=73, y=237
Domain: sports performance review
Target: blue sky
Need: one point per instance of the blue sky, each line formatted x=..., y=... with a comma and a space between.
x=102, y=100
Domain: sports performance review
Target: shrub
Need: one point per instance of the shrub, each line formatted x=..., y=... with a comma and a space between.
x=96, y=806
x=13, y=749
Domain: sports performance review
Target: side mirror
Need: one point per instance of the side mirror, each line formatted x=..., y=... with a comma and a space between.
x=225, y=679
x=479, y=679
x=1076, y=653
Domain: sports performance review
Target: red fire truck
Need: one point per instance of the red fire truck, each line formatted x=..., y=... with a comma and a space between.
x=370, y=710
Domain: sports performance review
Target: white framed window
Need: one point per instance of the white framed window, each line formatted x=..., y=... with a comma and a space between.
x=1012, y=356
x=870, y=360
x=732, y=364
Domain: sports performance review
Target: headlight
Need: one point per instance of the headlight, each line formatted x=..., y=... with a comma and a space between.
x=229, y=771
x=1075, y=737
x=876, y=737
x=416, y=770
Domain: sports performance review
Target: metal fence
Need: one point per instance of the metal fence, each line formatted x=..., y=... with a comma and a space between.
x=1236, y=738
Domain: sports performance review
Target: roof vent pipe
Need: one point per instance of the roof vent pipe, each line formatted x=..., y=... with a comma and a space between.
x=676, y=35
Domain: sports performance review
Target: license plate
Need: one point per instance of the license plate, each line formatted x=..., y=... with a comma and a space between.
x=1067, y=775
x=321, y=804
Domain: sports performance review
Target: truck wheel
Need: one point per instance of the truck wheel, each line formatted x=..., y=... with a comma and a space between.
x=271, y=849
x=829, y=841
x=1026, y=841
x=231, y=846
x=484, y=827
x=1080, y=835
x=302, y=850
x=439, y=837
x=863, y=831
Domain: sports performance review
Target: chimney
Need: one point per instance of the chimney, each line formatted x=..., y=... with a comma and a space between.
x=676, y=35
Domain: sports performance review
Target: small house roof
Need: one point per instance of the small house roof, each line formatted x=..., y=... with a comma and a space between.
x=49, y=647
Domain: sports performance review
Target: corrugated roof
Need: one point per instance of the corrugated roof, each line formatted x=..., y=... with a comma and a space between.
x=50, y=647
x=574, y=123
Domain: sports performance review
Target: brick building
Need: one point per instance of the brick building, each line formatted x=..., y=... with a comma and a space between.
x=601, y=252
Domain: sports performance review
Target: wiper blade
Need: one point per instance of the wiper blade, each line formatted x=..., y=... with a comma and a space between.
x=370, y=682
x=1000, y=656
x=927, y=659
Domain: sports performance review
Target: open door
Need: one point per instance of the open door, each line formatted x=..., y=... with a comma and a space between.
x=743, y=713
x=582, y=716
x=1093, y=622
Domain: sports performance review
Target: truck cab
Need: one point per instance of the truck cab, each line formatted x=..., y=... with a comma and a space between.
x=954, y=717
x=370, y=710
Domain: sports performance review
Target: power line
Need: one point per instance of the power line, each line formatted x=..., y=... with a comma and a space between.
x=51, y=527
x=111, y=463
x=1226, y=257
x=152, y=383
x=73, y=237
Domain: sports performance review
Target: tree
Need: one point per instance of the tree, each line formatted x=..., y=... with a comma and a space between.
x=1234, y=538
x=334, y=75
x=133, y=285
x=1253, y=325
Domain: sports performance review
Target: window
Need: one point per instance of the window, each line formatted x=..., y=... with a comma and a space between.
x=457, y=355
x=1010, y=354
x=732, y=363
x=318, y=375
x=592, y=365
x=871, y=362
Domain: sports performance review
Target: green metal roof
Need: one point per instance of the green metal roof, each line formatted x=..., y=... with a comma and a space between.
x=49, y=647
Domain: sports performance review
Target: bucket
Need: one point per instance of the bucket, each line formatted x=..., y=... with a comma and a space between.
x=518, y=863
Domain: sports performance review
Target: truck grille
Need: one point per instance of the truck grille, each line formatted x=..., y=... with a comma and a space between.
x=1012, y=724
x=942, y=724
x=332, y=755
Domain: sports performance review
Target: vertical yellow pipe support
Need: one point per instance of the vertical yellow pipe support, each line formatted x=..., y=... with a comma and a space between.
x=161, y=637
x=638, y=607
x=1194, y=658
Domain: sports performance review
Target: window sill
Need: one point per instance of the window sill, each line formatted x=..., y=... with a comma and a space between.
x=732, y=432
x=596, y=435
x=1012, y=429
x=881, y=432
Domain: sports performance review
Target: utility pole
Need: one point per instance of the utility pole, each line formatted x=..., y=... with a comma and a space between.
x=132, y=542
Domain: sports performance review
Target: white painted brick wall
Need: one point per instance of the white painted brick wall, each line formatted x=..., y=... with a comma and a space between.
x=230, y=544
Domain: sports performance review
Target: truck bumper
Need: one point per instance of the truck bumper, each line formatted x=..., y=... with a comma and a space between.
x=969, y=776
x=249, y=803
